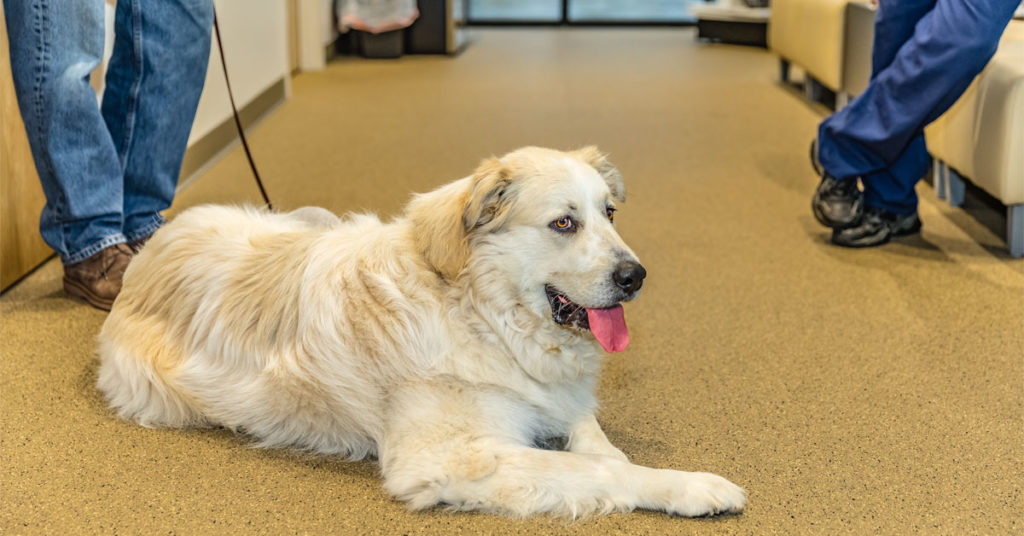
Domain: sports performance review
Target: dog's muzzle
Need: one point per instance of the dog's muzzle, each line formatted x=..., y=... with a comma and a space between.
x=607, y=324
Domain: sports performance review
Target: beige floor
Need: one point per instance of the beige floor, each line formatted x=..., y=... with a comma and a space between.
x=875, y=391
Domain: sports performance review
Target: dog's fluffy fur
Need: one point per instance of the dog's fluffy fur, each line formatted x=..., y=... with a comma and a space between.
x=427, y=341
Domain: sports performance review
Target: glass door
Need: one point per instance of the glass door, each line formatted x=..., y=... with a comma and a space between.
x=581, y=11
x=631, y=11
x=514, y=11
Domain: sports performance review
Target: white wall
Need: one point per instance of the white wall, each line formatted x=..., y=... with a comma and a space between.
x=316, y=31
x=330, y=31
x=255, y=36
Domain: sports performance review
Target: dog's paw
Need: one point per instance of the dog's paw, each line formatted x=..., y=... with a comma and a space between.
x=705, y=494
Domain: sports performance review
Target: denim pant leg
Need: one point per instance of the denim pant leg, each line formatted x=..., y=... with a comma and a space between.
x=54, y=45
x=879, y=135
x=154, y=81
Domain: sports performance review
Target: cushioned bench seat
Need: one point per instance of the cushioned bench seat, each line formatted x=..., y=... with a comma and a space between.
x=810, y=34
x=981, y=137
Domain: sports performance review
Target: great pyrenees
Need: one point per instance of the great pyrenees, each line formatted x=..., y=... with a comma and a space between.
x=449, y=343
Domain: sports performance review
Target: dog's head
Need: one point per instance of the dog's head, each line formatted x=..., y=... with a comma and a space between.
x=537, y=225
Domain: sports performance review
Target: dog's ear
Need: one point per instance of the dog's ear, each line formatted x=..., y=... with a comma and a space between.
x=444, y=219
x=490, y=198
x=608, y=172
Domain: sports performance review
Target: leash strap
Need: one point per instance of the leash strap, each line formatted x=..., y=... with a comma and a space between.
x=238, y=120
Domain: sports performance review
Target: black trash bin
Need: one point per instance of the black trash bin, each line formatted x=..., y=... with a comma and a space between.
x=381, y=45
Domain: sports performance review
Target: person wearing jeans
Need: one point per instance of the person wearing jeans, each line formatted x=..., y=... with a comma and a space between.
x=107, y=170
x=925, y=55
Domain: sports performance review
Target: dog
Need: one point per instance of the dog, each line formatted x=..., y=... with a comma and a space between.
x=448, y=343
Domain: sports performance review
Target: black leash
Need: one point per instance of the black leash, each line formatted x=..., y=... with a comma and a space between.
x=238, y=120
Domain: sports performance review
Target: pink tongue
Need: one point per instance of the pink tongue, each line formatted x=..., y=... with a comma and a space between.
x=609, y=327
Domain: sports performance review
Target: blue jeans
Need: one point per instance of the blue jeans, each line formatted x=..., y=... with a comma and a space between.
x=925, y=55
x=107, y=172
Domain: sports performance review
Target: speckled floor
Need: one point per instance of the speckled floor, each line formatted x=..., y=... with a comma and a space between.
x=866, y=392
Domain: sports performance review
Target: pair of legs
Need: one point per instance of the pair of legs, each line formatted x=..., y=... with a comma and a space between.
x=107, y=170
x=925, y=54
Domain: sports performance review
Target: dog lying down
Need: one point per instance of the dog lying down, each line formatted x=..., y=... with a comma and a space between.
x=446, y=343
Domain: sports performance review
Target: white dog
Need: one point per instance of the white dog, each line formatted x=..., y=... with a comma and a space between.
x=448, y=343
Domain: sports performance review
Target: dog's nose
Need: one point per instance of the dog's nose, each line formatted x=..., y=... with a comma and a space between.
x=629, y=276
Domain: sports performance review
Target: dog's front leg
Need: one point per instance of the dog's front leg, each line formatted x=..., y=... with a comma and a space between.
x=449, y=443
x=484, y=474
x=586, y=437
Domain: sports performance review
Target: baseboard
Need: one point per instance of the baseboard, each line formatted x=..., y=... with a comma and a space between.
x=209, y=148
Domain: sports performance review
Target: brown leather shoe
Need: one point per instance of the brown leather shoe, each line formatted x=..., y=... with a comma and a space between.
x=136, y=245
x=97, y=280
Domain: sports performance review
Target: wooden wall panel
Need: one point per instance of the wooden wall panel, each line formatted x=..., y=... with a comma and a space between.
x=21, y=196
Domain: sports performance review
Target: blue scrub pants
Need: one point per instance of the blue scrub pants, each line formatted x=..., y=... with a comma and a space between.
x=925, y=55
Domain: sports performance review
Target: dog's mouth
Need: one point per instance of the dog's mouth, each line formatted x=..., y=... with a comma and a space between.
x=607, y=324
x=565, y=312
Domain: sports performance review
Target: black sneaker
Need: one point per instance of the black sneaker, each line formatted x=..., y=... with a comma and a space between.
x=836, y=203
x=876, y=227
x=815, y=163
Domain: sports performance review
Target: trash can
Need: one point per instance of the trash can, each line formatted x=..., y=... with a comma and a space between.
x=380, y=24
x=381, y=45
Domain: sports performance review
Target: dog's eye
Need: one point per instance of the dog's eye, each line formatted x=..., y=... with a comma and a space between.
x=564, y=225
x=610, y=211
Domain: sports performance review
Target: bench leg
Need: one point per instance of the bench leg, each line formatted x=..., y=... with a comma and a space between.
x=1015, y=230
x=784, y=70
x=842, y=99
x=939, y=178
x=955, y=188
x=812, y=89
